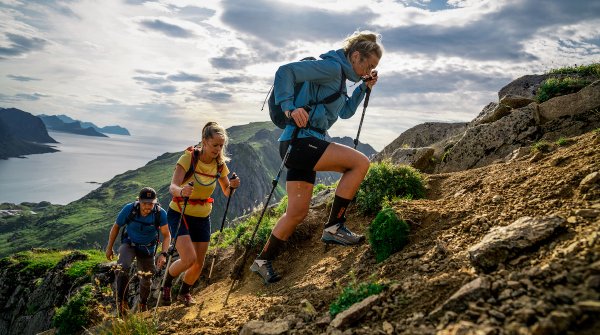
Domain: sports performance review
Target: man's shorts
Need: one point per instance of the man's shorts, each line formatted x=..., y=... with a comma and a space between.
x=197, y=227
x=303, y=157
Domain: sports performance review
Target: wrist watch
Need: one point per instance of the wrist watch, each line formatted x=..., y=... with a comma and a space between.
x=288, y=114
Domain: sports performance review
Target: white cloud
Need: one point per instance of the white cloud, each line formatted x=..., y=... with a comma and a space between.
x=174, y=64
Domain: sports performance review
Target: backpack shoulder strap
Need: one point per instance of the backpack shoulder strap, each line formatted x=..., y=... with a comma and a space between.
x=195, y=152
x=156, y=211
x=135, y=209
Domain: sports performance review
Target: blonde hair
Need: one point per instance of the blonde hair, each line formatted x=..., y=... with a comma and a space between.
x=365, y=42
x=210, y=130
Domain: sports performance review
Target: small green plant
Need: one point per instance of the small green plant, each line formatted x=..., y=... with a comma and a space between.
x=387, y=181
x=131, y=325
x=445, y=156
x=387, y=234
x=281, y=206
x=562, y=141
x=553, y=87
x=352, y=294
x=597, y=130
x=76, y=313
x=318, y=188
x=541, y=146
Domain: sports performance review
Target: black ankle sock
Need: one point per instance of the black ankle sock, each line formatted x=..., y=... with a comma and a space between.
x=185, y=288
x=169, y=279
x=338, y=209
x=271, y=249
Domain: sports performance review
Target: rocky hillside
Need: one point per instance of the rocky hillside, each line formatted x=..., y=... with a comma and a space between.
x=510, y=248
x=501, y=244
x=22, y=134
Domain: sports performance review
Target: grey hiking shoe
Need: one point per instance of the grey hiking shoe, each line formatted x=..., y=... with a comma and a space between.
x=264, y=269
x=340, y=234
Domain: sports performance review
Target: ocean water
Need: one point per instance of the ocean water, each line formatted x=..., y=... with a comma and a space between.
x=83, y=163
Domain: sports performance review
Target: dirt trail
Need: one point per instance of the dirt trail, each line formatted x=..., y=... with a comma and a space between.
x=459, y=210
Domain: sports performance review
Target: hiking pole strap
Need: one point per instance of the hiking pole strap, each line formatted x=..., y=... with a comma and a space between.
x=362, y=117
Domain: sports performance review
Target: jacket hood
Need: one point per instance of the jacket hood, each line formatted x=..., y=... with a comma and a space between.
x=340, y=57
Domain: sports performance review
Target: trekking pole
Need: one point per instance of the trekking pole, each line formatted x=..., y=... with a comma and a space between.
x=275, y=181
x=171, y=250
x=365, y=104
x=231, y=191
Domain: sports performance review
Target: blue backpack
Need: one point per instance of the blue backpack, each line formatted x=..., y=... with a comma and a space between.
x=275, y=111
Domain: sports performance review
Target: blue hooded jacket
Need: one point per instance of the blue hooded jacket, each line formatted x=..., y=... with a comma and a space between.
x=322, y=79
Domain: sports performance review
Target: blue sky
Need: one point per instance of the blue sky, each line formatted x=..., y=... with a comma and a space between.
x=167, y=67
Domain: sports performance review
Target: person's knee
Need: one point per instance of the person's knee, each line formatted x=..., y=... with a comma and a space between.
x=296, y=215
x=188, y=262
x=363, y=164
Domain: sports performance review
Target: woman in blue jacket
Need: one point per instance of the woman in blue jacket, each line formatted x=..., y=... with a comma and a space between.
x=310, y=152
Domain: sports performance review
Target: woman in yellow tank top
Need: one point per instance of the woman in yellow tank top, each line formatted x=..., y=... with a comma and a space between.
x=207, y=160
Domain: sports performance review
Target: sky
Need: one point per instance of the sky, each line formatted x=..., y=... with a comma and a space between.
x=167, y=67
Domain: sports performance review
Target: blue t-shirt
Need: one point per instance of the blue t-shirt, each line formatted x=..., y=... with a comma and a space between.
x=141, y=229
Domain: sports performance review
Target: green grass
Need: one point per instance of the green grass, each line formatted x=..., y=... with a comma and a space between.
x=37, y=261
x=352, y=294
x=134, y=324
x=86, y=267
x=554, y=87
x=541, y=146
x=583, y=70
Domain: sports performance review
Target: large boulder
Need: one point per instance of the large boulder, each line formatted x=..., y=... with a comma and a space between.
x=490, y=113
x=525, y=87
x=419, y=158
x=423, y=135
x=486, y=143
x=586, y=99
x=503, y=243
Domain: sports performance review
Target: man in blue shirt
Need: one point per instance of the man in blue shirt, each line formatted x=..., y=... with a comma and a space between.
x=142, y=221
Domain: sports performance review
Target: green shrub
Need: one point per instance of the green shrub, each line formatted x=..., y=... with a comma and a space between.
x=72, y=316
x=132, y=325
x=352, y=294
x=563, y=141
x=583, y=70
x=541, y=146
x=553, y=87
x=387, y=234
x=386, y=181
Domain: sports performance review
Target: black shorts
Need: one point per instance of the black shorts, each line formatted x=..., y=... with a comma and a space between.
x=305, y=154
x=197, y=227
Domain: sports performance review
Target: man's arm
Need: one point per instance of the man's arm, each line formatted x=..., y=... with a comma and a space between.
x=166, y=234
x=112, y=236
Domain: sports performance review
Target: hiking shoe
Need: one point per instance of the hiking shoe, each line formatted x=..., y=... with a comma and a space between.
x=186, y=299
x=264, y=269
x=166, y=296
x=340, y=234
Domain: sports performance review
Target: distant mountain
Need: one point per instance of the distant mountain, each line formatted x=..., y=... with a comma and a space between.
x=54, y=123
x=22, y=134
x=117, y=130
x=84, y=223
